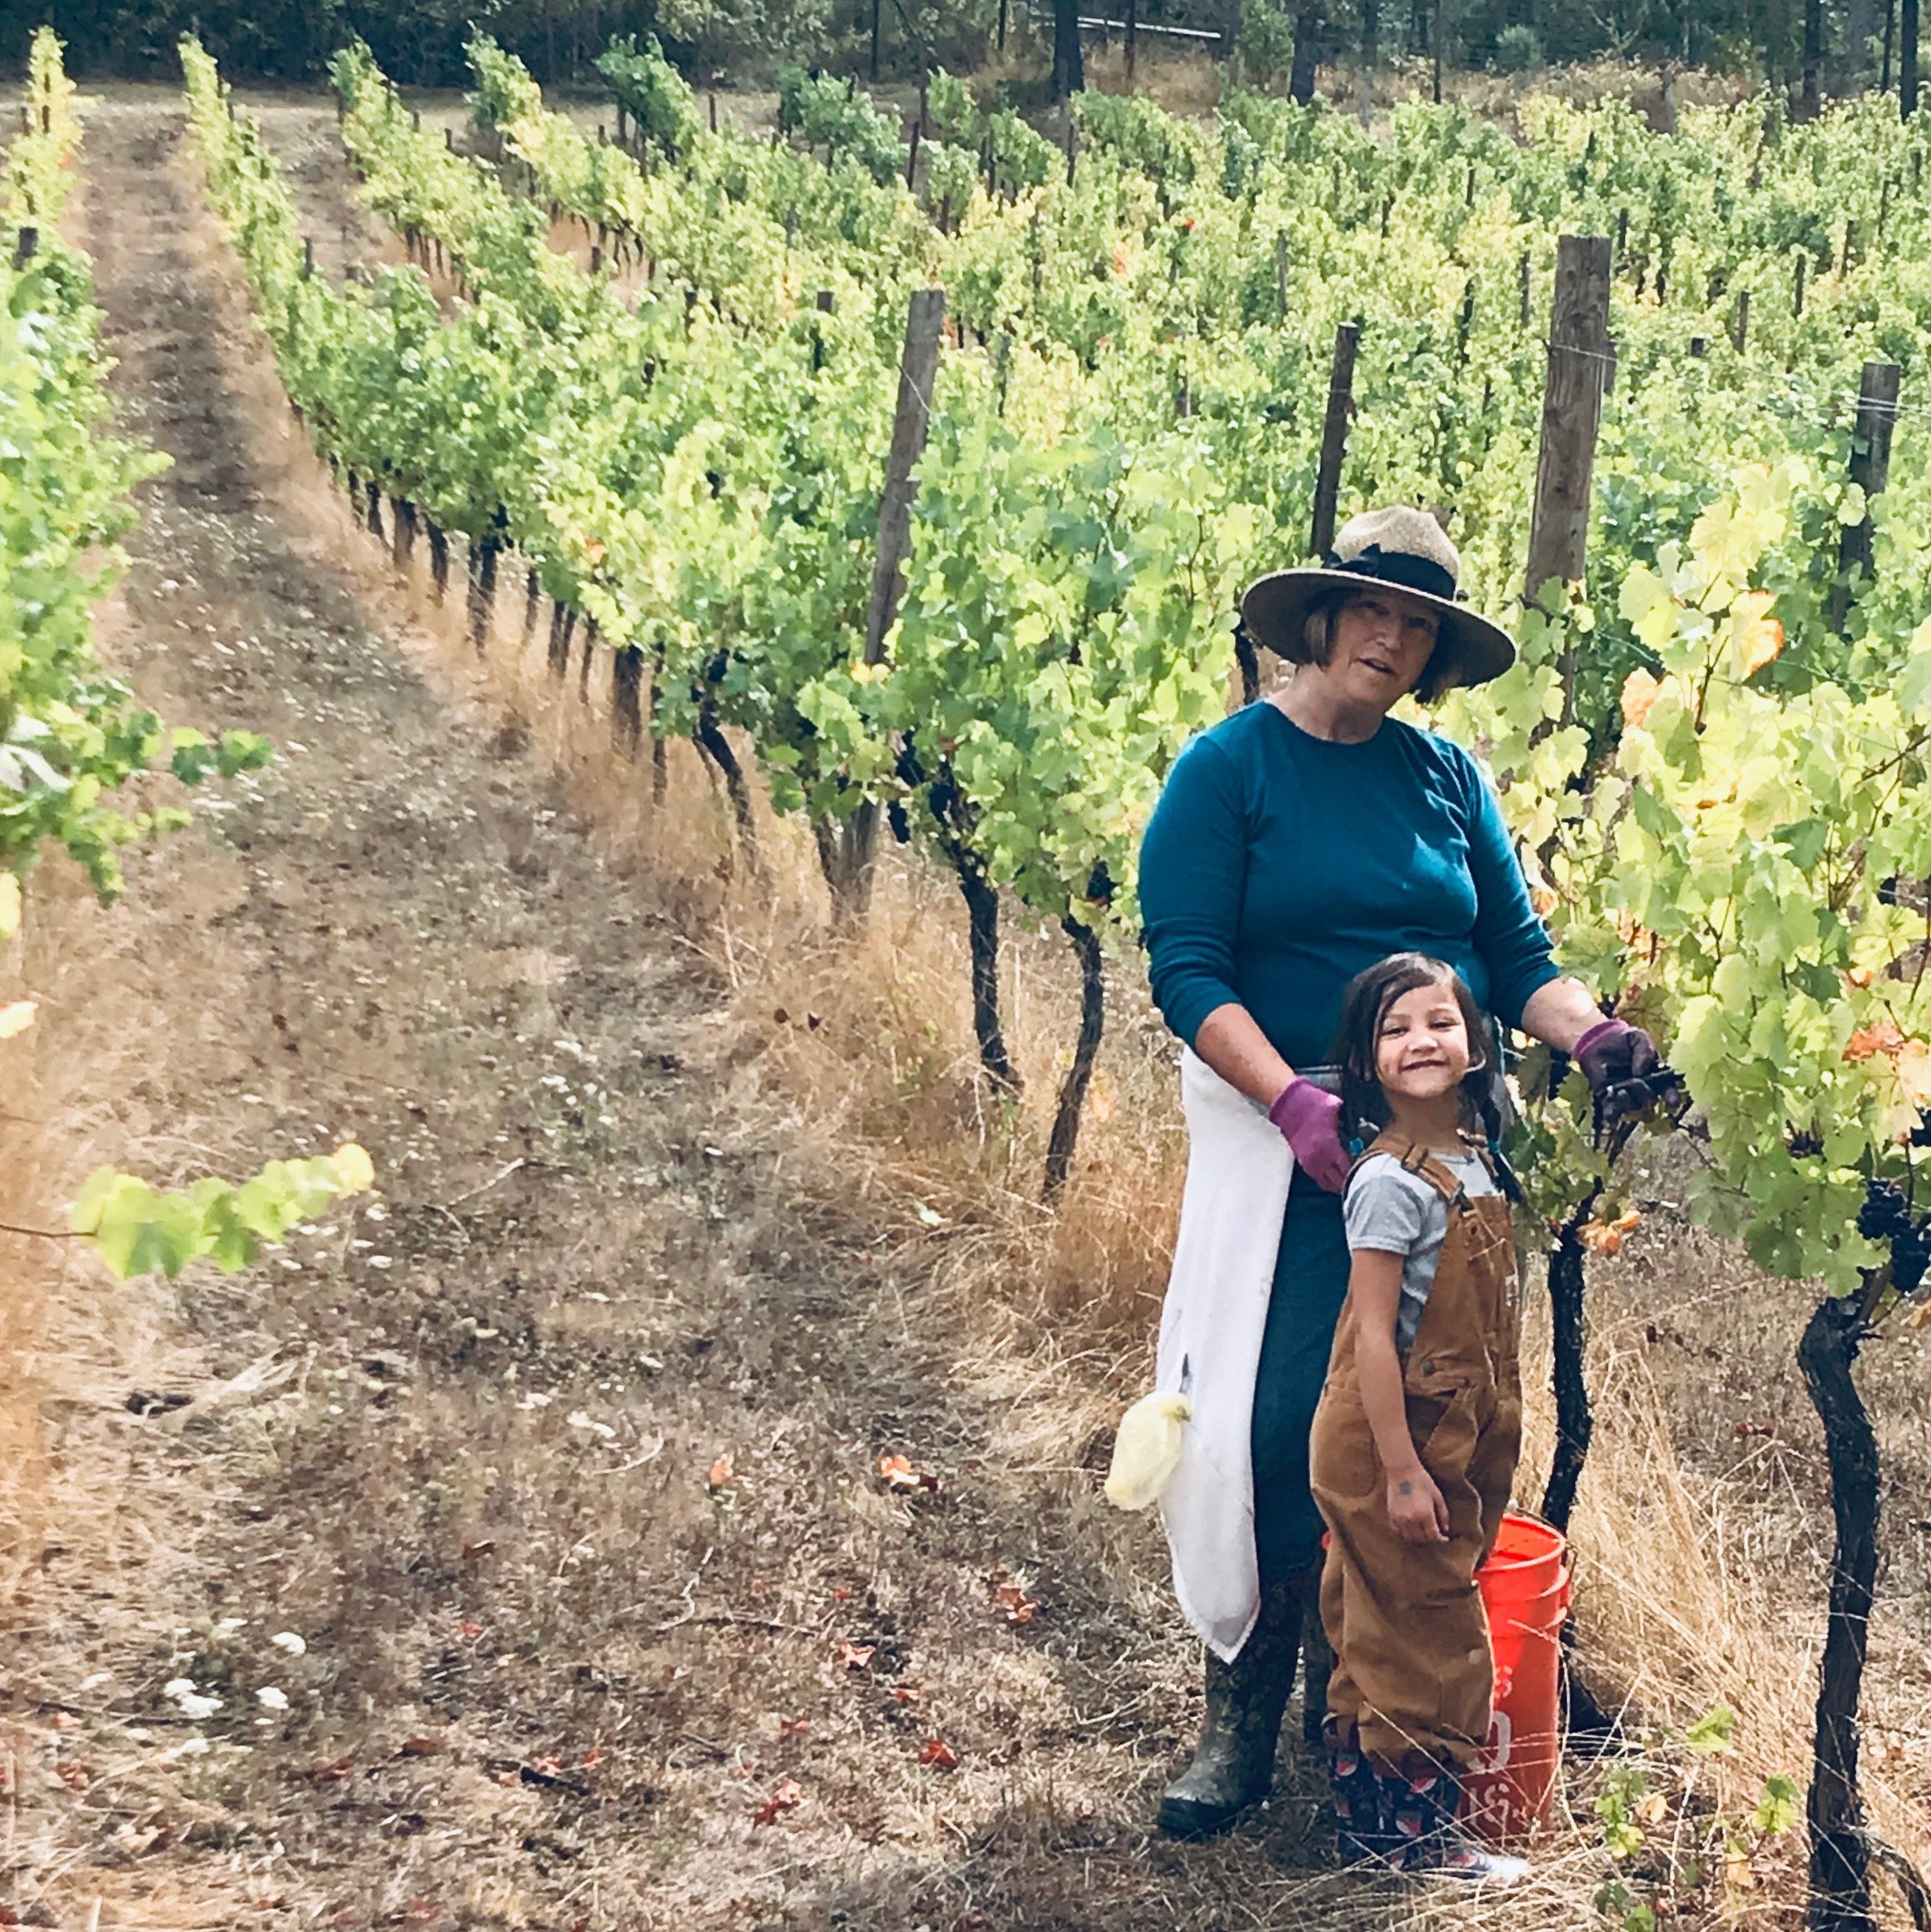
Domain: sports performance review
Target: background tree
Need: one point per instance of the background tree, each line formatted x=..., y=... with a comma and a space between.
x=1069, y=70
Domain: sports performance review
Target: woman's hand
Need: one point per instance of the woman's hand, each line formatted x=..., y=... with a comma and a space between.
x=1613, y=1052
x=1310, y=1121
x=1416, y=1507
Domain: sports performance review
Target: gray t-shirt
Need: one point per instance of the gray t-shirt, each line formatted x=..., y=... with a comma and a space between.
x=1394, y=1212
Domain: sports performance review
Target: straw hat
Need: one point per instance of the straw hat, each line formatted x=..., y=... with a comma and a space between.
x=1403, y=548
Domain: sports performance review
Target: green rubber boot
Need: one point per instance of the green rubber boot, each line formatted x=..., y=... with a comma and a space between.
x=1233, y=1768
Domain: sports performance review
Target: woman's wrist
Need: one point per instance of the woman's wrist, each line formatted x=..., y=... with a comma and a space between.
x=1559, y=1014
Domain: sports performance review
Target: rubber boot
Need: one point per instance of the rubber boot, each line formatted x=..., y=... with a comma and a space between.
x=1364, y=1828
x=1317, y=1661
x=1422, y=1805
x=1233, y=1766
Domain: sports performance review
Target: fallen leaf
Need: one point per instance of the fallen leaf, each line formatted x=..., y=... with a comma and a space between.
x=938, y=1754
x=903, y=1693
x=1015, y=1602
x=551, y=1764
x=841, y=1594
x=1748, y=1429
x=787, y=1795
x=417, y=1747
x=74, y=1774
x=65, y=1721
x=1653, y=1809
x=16, y=1017
x=854, y=1657
x=902, y=1479
x=333, y=1772
x=473, y=1631
x=470, y=1552
x=743, y=1770
x=793, y=1727
x=721, y=1473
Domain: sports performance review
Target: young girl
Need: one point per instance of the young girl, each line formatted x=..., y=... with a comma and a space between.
x=1418, y=1434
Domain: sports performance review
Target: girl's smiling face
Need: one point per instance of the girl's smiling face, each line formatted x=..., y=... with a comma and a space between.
x=1422, y=1049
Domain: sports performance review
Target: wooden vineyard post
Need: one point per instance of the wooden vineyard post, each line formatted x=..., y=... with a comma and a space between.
x=824, y=306
x=1527, y=289
x=1071, y=136
x=1280, y=267
x=1133, y=40
x=1742, y=335
x=1870, y=470
x=849, y=868
x=26, y=245
x=1334, y=437
x=1796, y=293
x=1581, y=359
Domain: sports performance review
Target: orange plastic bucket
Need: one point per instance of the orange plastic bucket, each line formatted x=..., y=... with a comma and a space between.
x=1525, y=1590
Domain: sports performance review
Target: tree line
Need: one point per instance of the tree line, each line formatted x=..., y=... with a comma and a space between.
x=1810, y=47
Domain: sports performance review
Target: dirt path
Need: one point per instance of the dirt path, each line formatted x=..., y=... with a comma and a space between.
x=553, y=1665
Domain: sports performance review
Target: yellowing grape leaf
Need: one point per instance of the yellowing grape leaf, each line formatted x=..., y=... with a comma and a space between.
x=1756, y=635
x=9, y=904
x=1639, y=691
x=354, y=1169
x=16, y=1017
x=1881, y=1036
x=1914, y=1071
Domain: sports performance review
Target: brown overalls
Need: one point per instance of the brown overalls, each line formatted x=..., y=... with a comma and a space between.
x=1413, y=1670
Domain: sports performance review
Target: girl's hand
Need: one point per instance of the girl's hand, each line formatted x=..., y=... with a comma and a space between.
x=1416, y=1507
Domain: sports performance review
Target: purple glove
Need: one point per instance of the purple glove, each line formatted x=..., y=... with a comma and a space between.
x=1310, y=1121
x=1613, y=1052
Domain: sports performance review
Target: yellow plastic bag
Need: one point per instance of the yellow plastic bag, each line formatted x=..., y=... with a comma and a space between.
x=1145, y=1449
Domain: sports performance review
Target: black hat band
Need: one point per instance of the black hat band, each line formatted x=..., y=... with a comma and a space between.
x=1400, y=568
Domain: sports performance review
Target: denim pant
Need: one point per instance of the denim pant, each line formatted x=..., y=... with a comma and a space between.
x=1310, y=1284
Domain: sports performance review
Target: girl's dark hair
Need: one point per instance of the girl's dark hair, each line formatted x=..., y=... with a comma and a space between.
x=1367, y=999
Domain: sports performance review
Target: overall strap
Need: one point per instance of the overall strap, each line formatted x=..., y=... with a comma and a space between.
x=1419, y=1161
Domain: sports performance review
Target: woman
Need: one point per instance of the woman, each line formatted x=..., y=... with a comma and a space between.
x=1296, y=844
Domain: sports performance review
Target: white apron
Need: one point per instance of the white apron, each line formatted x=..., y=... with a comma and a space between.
x=1238, y=1168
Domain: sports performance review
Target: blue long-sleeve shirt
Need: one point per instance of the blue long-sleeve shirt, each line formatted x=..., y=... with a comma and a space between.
x=1277, y=865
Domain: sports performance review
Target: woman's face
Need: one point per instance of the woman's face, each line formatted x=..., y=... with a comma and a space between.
x=1379, y=644
x=1422, y=1049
